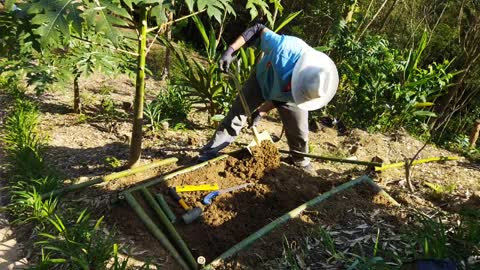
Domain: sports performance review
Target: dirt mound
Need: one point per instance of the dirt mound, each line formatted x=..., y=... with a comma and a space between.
x=264, y=158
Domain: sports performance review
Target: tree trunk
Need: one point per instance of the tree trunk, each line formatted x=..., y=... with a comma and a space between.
x=166, y=67
x=475, y=133
x=77, y=106
x=136, y=144
x=389, y=12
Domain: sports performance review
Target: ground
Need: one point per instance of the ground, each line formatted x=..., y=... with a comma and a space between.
x=80, y=147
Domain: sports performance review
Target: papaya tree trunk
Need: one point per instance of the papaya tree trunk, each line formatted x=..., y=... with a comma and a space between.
x=77, y=106
x=136, y=143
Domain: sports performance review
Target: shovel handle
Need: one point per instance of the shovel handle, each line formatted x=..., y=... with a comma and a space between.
x=256, y=136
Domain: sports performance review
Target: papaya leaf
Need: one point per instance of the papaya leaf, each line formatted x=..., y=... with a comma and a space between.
x=52, y=21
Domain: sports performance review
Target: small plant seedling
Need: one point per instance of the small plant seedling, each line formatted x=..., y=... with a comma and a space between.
x=439, y=190
x=113, y=162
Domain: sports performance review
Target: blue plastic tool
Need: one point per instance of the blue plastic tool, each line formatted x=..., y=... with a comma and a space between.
x=207, y=200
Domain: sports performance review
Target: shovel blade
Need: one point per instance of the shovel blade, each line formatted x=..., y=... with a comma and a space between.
x=264, y=136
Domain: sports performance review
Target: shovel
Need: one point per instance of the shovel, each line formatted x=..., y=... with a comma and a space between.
x=257, y=137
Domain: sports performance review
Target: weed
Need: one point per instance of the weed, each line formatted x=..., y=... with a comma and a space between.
x=169, y=106
x=113, y=162
x=76, y=245
x=293, y=255
x=440, y=191
x=23, y=143
x=28, y=206
x=81, y=118
x=429, y=239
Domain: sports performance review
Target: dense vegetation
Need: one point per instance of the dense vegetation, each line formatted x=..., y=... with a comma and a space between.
x=411, y=64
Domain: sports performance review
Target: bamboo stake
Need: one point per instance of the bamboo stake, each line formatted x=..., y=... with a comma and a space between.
x=416, y=162
x=155, y=230
x=382, y=192
x=174, y=236
x=292, y=214
x=342, y=160
x=166, y=209
x=109, y=177
x=157, y=180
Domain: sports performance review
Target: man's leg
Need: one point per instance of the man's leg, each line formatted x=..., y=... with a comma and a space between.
x=236, y=118
x=295, y=122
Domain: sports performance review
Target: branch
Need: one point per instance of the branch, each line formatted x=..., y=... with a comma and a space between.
x=372, y=20
x=106, y=46
x=159, y=28
x=408, y=166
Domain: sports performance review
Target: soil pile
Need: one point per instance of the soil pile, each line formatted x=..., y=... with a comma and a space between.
x=264, y=158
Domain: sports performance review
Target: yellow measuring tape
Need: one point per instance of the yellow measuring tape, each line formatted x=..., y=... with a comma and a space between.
x=189, y=188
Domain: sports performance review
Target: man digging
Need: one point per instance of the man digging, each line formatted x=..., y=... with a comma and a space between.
x=291, y=76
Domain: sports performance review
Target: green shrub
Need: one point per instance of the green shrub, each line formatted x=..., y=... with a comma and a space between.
x=382, y=88
x=169, y=106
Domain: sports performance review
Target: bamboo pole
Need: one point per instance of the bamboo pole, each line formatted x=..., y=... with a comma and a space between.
x=157, y=233
x=157, y=180
x=292, y=214
x=382, y=192
x=416, y=162
x=166, y=209
x=109, y=177
x=342, y=160
x=174, y=236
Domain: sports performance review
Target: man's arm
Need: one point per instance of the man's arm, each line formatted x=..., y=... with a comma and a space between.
x=250, y=33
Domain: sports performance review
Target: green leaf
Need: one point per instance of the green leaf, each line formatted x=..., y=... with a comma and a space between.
x=213, y=11
x=99, y=221
x=425, y=113
x=217, y=117
x=159, y=13
x=9, y=4
x=201, y=28
x=190, y=4
x=254, y=5
x=323, y=48
x=287, y=20
x=128, y=3
x=52, y=18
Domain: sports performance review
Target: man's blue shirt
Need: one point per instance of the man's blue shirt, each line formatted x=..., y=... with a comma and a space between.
x=274, y=70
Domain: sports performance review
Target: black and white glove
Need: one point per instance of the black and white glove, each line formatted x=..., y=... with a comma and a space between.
x=226, y=59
